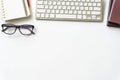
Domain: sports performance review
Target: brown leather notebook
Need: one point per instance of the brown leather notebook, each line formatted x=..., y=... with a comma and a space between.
x=114, y=15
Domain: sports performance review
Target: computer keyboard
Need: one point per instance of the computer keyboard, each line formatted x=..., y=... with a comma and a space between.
x=75, y=10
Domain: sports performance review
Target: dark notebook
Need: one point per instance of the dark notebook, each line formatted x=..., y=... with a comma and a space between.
x=114, y=13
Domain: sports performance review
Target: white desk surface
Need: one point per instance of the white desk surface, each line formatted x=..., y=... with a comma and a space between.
x=61, y=51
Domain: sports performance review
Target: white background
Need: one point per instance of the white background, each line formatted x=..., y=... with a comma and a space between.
x=61, y=50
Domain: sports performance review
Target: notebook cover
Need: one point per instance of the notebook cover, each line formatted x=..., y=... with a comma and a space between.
x=14, y=9
x=114, y=14
x=109, y=10
x=110, y=6
x=111, y=24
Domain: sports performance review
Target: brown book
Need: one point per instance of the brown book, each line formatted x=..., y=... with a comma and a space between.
x=114, y=16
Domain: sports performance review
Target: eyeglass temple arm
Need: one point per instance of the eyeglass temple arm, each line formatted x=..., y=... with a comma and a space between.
x=31, y=31
x=4, y=29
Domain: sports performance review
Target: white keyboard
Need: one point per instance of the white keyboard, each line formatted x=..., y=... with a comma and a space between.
x=75, y=10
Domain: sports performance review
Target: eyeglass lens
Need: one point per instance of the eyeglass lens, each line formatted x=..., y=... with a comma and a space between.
x=26, y=30
x=9, y=29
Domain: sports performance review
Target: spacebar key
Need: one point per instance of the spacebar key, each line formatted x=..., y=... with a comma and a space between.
x=65, y=16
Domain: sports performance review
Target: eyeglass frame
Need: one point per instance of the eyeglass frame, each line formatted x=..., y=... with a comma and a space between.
x=25, y=26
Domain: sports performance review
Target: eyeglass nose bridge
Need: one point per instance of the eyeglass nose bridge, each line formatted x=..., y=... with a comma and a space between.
x=17, y=26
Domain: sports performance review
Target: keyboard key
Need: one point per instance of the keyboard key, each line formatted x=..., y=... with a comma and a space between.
x=67, y=3
x=52, y=11
x=84, y=17
x=40, y=6
x=79, y=12
x=89, y=4
x=94, y=4
x=98, y=4
x=86, y=8
x=37, y=15
x=42, y=15
x=40, y=2
x=48, y=11
x=61, y=11
x=97, y=0
x=79, y=16
x=54, y=3
x=88, y=12
x=65, y=16
x=57, y=11
x=97, y=8
x=59, y=7
x=52, y=15
x=41, y=10
x=84, y=12
x=95, y=12
x=46, y=6
x=47, y=15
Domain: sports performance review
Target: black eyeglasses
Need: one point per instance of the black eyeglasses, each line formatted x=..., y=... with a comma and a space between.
x=23, y=29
